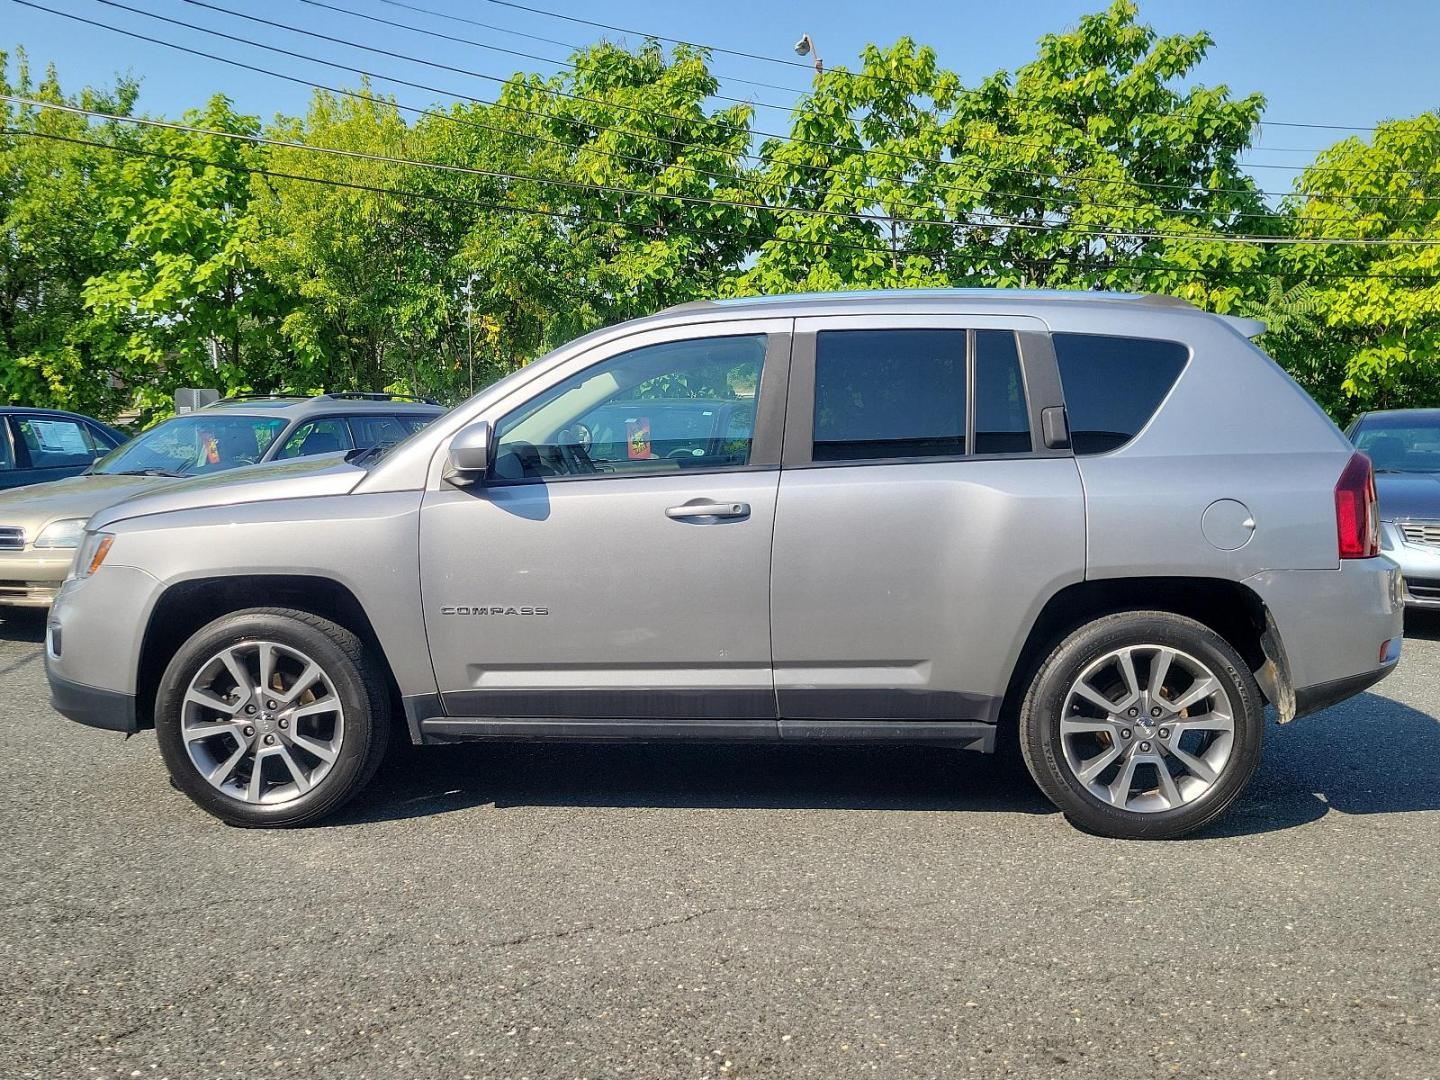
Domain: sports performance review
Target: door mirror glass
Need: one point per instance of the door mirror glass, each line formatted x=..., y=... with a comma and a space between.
x=470, y=452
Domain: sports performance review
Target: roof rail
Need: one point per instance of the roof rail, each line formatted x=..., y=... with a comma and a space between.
x=256, y=397
x=356, y=395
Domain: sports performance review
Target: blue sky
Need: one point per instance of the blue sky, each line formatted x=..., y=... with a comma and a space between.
x=1323, y=61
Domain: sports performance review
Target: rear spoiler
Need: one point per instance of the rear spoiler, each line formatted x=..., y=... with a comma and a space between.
x=1250, y=328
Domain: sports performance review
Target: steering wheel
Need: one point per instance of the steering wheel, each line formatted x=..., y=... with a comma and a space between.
x=576, y=458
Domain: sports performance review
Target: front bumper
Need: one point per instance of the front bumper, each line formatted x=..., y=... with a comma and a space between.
x=1420, y=563
x=31, y=579
x=90, y=705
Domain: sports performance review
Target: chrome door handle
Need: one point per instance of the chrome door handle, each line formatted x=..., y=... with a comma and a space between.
x=708, y=510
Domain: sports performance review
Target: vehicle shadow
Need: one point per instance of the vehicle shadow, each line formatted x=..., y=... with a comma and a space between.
x=22, y=625
x=1368, y=755
x=1331, y=761
x=750, y=776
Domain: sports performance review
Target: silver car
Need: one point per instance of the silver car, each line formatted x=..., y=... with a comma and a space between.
x=40, y=527
x=1106, y=528
x=1404, y=445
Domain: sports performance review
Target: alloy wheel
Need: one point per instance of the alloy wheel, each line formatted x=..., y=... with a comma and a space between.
x=262, y=722
x=1147, y=728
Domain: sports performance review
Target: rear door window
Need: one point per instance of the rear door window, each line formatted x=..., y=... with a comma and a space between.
x=889, y=394
x=1113, y=385
x=1002, y=419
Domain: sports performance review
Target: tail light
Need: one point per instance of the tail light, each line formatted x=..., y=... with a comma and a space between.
x=1357, y=518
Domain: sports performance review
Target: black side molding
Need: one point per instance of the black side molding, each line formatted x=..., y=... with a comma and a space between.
x=965, y=734
x=1310, y=699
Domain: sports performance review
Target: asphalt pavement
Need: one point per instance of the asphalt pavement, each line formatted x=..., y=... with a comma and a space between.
x=661, y=912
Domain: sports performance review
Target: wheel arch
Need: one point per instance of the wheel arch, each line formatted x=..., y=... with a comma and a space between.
x=1230, y=608
x=186, y=606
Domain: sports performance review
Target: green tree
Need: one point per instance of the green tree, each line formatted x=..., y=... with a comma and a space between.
x=1023, y=175
x=371, y=275
x=1379, y=305
x=595, y=255
x=181, y=296
x=51, y=352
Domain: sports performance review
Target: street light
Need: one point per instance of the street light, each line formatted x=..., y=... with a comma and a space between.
x=804, y=47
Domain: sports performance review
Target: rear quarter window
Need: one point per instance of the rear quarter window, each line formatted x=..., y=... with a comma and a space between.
x=1113, y=385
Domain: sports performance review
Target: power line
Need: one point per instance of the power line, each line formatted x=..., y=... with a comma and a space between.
x=731, y=78
x=678, y=143
x=1043, y=201
x=794, y=63
x=1186, y=271
x=562, y=64
x=738, y=204
x=588, y=219
x=668, y=116
x=1075, y=199
x=1011, y=140
x=818, y=144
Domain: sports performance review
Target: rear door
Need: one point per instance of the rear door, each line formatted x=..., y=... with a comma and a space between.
x=921, y=522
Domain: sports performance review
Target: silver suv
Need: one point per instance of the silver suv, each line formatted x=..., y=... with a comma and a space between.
x=1106, y=527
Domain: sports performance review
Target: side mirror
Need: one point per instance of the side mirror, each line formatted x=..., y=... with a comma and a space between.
x=470, y=453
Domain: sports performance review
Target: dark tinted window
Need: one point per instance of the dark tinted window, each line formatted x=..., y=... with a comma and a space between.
x=1113, y=385
x=889, y=394
x=1002, y=422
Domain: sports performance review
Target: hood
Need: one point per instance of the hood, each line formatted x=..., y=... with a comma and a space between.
x=325, y=474
x=34, y=507
x=1408, y=496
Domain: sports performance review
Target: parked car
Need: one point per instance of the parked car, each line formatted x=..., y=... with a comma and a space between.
x=1404, y=445
x=40, y=528
x=1107, y=524
x=41, y=445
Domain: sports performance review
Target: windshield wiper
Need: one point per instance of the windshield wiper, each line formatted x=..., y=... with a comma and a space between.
x=146, y=472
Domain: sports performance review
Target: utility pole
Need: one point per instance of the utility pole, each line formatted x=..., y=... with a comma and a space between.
x=470, y=331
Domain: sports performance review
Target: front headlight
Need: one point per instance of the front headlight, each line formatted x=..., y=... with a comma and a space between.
x=66, y=533
x=91, y=554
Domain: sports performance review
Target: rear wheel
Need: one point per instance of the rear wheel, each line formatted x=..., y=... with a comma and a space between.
x=1143, y=725
x=271, y=717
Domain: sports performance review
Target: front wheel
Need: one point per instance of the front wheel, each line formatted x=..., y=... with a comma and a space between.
x=271, y=717
x=1143, y=725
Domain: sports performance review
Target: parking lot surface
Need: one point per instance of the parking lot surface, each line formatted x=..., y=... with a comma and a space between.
x=658, y=912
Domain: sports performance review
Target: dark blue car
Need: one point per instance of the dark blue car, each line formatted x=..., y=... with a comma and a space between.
x=40, y=445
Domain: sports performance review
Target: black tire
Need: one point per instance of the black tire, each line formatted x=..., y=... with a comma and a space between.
x=1041, y=713
x=350, y=673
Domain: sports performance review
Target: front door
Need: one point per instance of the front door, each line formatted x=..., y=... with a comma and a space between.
x=614, y=568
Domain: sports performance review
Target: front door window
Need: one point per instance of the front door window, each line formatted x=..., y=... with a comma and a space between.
x=669, y=408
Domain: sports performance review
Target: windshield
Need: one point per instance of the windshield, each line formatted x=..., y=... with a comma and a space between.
x=194, y=445
x=1400, y=443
